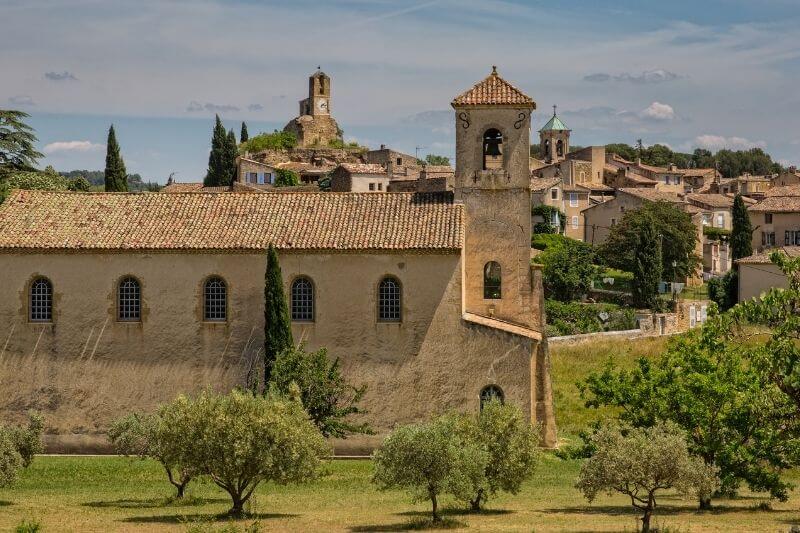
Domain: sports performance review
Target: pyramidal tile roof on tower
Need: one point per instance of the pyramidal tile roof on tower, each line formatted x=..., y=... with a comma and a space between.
x=554, y=124
x=494, y=90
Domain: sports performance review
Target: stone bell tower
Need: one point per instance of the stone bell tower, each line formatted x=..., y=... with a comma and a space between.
x=492, y=180
x=554, y=139
x=314, y=126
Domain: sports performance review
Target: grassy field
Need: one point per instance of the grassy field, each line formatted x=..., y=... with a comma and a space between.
x=89, y=494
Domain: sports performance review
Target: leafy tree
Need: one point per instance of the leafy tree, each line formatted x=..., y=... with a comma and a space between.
x=702, y=158
x=240, y=440
x=17, y=151
x=676, y=229
x=326, y=395
x=428, y=460
x=433, y=159
x=28, y=440
x=742, y=230
x=646, y=264
x=277, y=140
x=286, y=178
x=724, y=291
x=30, y=180
x=115, y=175
x=79, y=184
x=568, y=270
x=10, y=460
x=641, y=462
x=511, y=446
x=243, y=136
x=277, y=326
x=704, y=383
x=147, y=436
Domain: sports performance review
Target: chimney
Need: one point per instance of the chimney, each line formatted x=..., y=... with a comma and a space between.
x=638, y=161
x=383, y=147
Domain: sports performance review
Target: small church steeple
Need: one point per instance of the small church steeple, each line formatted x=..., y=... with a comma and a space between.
x=554, y=139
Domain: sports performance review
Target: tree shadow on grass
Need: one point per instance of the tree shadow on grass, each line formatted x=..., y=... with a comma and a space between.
x=152, y=503
x=662, y=510
x=188, y=518
x=458, y=512
x=4, y=503
x=412, y=525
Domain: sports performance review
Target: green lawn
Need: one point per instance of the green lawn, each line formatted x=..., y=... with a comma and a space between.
x=90, y=494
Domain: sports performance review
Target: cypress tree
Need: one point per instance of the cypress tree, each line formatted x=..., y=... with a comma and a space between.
x=230, y=159
x=647, y=265
x=742, y=230
x=277, y=326
x=216, y=158
x=115, y=175
x=243, y=137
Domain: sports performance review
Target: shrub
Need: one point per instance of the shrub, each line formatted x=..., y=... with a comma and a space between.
x=716, y=234
x=277, y=140
x=324, y=392
x=428, y=460
x=543, y=241
x=79, y=184
x=286, y=178
x=240, y=440
x=511, y=446
x=28, y=441
x=144, y=435
x=574, y=318
x=641, y=462
x=724, y=291
x=10, y=459
x=28, y=526
x=547, y=212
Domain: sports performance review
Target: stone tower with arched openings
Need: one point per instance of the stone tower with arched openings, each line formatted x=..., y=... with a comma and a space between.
x=554, y=140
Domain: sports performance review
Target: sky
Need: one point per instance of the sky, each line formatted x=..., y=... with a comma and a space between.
x=709, y=73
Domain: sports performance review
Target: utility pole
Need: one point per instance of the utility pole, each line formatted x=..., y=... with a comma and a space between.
x=417, y=149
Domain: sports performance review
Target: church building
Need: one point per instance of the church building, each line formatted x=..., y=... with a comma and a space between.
x=116, y=302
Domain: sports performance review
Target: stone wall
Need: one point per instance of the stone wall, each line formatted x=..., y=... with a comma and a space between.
x=86, y=368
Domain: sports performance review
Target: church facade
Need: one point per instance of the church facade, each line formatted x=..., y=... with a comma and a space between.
x=115, y=302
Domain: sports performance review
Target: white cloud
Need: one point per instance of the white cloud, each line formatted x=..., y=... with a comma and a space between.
x=72, y=146
x=718, y=142
x=195, y=106
x=658, y=111
x=60, y=76
x=21, y=99
x=648, y=76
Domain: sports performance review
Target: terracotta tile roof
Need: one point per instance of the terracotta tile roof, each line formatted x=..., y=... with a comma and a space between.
x=711, y=200
x=363, y=168
x=438, y=169
x=785, y=190
x=697, y=172
x=182, y=187
x=651, y=194
x=541, y=184
x=37, y=220
x=790, y=203
x=752, y=178
x=763, y=257
x=493, y=90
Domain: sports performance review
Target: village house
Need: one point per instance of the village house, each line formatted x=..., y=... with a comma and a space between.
x=788, y=177
x=758, y=274
x=717, y=221
x=747, y=185
x=360, y=177
x=117, y=302
x=776, y=218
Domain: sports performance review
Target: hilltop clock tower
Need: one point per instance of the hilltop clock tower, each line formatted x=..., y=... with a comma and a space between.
x=315, y=126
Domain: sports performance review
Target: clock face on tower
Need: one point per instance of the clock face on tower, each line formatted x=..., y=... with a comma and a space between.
x=322, y=106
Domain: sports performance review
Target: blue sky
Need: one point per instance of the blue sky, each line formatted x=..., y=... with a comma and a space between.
x=710, y=73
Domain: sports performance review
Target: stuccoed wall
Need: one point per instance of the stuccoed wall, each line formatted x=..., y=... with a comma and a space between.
x=86, y=368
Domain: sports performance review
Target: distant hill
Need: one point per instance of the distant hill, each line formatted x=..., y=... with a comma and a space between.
x=97, y=179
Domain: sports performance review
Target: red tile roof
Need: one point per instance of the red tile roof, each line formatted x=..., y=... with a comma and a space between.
x=494, y=90
x=42, y=220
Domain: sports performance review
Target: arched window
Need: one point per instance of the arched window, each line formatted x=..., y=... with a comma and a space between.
x=491, y=392
x=546, y=148
x=492, y=149
x=492, y=281
x=303, y=300
x=389, y=300
x=560, y=147
x=41, y=300
x=215, y=300
x=129, y=300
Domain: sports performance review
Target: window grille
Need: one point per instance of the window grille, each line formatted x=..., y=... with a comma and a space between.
x=389, y=295
x=41, y=301
x=302, y=300
x=215, y=308
x=491, y=392
x=129, y=300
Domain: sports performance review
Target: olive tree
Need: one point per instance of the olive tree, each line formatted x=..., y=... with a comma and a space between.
x=18, y=445
x=144, y=436
x=511, y=447
x=639, y=462
x=428, y=460
x=240, y=440
x=10, y=460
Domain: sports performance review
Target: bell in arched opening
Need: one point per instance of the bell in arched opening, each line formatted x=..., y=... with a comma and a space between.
x=492, y=149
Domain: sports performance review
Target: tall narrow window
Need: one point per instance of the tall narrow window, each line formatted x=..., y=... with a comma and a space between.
x=492, y=149
x=41, y=301
x=492, y=281
x=129, y=300
x=560, y=148
x=389, y=300
x=303, y=300
x=491, y=392
x=215, y=300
